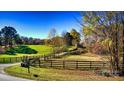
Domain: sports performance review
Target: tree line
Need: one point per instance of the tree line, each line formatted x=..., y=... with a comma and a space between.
x=66, y=38
x=9, y=37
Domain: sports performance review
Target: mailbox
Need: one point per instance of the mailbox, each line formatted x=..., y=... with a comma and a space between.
x=25, y=64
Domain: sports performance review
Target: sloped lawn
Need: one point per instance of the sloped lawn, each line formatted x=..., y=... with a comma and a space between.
x=85, y=57
x=49, y=74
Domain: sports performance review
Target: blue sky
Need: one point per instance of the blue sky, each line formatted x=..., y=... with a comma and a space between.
x=37, y=24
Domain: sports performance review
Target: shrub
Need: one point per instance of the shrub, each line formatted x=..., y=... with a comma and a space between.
x=25, y=50
x=21, y=49
x=29, y=51
x=105, y=72
x=10, y=51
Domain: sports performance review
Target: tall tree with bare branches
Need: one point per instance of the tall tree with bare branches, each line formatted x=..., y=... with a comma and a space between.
x=107, y=26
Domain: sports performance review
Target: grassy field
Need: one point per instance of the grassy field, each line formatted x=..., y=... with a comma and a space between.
x=85, y=57
x=42, y=50
x=47, y=74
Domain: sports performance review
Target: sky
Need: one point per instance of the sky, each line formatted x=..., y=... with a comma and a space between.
x=37, y=24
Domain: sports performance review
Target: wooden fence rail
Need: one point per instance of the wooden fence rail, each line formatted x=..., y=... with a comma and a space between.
x=19, y=59
x=10, y=59
x=73, y=64
x=45, y=61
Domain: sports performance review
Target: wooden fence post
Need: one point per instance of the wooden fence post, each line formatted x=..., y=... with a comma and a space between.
x=3, y=60
x=29, y=69
x=44, y=58
x=10, y=60
x=103, y=64
x=16, y=59
x=21, y=58
x=90, y=65
x=39, y=63
x=51, y=63
x=76, y=64
x=40, y=56
x=63, y=64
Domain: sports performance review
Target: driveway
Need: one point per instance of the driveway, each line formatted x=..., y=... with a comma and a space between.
x=6, y=77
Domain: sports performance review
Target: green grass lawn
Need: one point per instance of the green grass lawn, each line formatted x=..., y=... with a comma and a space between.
x=42, y=50
x=49, y=74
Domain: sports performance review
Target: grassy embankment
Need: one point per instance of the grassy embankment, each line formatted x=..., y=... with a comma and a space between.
x=56, y=74
x=85, y=57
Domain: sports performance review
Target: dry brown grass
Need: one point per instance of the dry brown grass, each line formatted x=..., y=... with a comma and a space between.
x=86, y=57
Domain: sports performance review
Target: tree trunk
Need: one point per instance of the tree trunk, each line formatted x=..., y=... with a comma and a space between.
x=111, y=60
x=123, y=49
x=115, y=49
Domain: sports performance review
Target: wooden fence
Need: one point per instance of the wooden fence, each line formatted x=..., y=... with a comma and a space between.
x=73, y=64
x=19, y=59
x=16, y=59
x=45, y=61
x=11, y=59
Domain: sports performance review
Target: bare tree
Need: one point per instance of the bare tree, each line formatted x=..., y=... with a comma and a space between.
x=106, y=25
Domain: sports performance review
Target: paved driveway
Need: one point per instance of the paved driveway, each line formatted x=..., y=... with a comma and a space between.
x=6, y=77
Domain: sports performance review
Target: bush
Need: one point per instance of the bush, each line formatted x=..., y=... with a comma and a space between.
x=21, y=49
x=104, y=73
x=25, y=50
x=10, y=51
